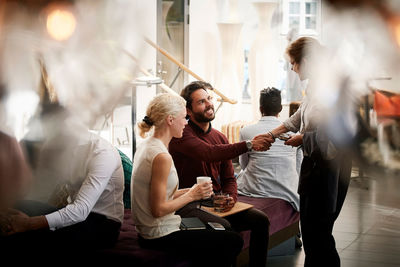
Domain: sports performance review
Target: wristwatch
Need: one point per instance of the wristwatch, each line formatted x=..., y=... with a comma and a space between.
x=249, y=145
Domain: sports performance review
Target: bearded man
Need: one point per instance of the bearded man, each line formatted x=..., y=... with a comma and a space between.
x=205, y=151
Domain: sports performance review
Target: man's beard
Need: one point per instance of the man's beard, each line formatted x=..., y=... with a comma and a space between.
x=200, y=117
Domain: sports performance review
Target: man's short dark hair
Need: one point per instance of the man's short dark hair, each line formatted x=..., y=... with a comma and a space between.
x=270, y=101
x=186, y=93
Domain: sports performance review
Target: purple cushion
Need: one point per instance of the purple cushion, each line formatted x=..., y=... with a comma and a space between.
x=128, y=250
x=280, y=214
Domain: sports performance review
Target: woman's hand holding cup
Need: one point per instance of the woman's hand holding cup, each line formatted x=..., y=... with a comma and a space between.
x=203, y=189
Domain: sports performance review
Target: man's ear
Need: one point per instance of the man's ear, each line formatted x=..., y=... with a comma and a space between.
x=189, y=112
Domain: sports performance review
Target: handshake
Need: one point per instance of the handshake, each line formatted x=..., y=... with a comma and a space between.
x=262, y=142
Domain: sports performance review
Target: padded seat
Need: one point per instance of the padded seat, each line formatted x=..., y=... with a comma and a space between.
x=281, y=215
x=127, y=250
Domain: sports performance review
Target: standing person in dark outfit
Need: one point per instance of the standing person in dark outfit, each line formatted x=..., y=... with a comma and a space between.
x=204, y=151
x=326, y=168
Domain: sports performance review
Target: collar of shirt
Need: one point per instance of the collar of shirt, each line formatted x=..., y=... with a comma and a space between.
x=268, y=118
x=198, y=129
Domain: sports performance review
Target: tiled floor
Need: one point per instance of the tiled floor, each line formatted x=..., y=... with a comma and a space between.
x=367, y=231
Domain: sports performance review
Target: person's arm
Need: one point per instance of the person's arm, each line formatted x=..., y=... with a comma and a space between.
x=180, y=192
x=243, y=158
x=228, y=183
x=228, y=179
x=277, y=131
x=100, y=169
x=295, y=140
x=159, y=204
x=20, y=222
x=271, y=135
x=195, y=147
x=293, y=123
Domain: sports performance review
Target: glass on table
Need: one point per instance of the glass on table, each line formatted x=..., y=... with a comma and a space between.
x=221, y=202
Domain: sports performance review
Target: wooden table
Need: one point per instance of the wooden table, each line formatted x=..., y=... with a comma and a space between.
x=239, y=206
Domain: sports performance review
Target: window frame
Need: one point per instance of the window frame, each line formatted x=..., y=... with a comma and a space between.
x=302, y=15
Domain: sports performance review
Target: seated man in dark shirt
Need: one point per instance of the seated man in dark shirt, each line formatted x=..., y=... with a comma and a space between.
x=204, y=151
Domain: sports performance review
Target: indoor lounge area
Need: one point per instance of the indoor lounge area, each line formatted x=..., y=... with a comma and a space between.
x=182, y=133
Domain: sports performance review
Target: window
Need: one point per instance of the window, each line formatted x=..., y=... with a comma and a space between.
x=302, y=15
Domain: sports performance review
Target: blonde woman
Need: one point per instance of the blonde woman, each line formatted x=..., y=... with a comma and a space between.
x=155, y=195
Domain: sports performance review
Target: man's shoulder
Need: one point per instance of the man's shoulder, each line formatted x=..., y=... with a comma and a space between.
x=251, y=129
x=98, y=143
x=260, y=127
x=188, y=132
x=218, y=134
x=247, y=128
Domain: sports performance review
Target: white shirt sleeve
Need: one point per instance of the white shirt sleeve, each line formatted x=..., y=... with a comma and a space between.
x=100, y=169
x=294, y=122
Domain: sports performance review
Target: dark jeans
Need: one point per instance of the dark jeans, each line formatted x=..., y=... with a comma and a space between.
x=252, y=219
x=202, y=247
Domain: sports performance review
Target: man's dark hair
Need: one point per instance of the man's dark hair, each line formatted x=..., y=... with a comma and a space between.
x=186, y=93
x=270, y=101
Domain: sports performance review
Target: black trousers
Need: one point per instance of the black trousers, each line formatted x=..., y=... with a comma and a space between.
x=252, y=219
x=77, y=241
x=316, y=229
x=203, y=247
x=317, y=222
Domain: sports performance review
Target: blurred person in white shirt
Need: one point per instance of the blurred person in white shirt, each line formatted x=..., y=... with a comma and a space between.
x=76, y=198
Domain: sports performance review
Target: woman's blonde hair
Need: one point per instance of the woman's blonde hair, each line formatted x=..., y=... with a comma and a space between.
x=158, y=109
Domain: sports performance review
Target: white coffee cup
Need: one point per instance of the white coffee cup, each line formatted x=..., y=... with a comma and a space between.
x=203, y=179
